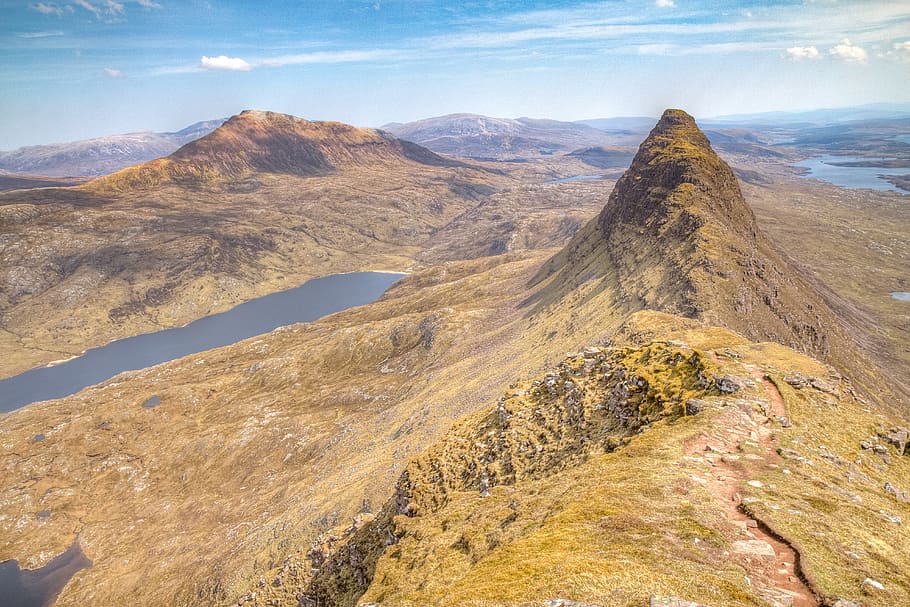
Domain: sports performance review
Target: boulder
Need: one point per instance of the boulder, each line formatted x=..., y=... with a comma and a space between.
x=899, y=437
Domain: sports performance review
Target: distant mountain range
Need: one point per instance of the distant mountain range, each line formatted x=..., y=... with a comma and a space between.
x=873, y=111
x=483, y=137
x=101, y=155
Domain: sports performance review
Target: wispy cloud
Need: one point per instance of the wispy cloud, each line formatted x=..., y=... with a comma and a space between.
x=664, y=3
x=899, y=51
x=321, y=57
x=224, y=63
x=89, y=7
x=112, y=73
x=114, y=8
x=148, y=4
x=110, y=8
x=30, y=35
x=46, y=8
x=798, y=53
x=849, y=52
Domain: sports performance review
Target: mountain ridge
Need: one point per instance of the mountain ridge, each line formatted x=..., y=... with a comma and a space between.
x=100, y=155
x=487, y=138
x=268, y=142
x=676, y=235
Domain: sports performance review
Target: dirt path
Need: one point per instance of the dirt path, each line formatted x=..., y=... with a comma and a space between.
x=741, y=448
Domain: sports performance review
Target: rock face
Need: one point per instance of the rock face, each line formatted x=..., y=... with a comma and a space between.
x=676, y=235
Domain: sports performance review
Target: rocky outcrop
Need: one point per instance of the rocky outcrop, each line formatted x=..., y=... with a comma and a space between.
x=589, y=404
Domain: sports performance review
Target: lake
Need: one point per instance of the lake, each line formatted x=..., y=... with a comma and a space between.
x=574, y=178
x=821, y=167
x=312, y=300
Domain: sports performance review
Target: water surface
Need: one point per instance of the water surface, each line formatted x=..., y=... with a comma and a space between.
x=310, y=301
x=826, y=168
x=575, y=178
x=901, y=295
x=40, y=587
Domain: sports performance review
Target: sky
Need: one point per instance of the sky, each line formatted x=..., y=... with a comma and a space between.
x=74, y=69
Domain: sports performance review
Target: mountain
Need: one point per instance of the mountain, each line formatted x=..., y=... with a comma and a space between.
x=261, y=204
x=101, y=155
x=267, y=142
x=474, y=136
x=676, y=235
x=613, y=422
x=674, y=462
x=827, y=116
x=628, y=124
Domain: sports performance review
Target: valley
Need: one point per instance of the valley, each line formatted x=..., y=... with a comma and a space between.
x=548, y=336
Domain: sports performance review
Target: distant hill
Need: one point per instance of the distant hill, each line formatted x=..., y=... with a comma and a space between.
x=267, y=142
x=633, y=124
x=101, y=155
x=874, y=111
x=483, y=137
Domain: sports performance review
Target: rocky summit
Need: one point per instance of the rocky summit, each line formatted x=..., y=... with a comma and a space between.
x=676, y=235
x=665, y=411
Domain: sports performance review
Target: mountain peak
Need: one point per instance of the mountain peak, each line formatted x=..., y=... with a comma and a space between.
x=257, y=141
x=677, y=174
x=677, y=236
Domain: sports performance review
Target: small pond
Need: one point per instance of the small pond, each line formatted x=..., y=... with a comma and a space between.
x=40, y=587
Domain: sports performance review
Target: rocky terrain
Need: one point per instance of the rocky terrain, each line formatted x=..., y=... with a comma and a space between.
x=261, y=204
x=102, y=155
x=576, y=398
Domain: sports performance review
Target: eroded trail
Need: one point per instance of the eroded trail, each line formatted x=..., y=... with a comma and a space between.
x=740, y=448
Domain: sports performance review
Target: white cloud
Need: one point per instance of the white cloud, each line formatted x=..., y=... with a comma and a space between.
x=148, y=4
x=89, y=7
x=797, y=53
x=30, y=35
x=900, y=51
x=656, y=49
x=110, y=7
x=327, y=57
x=224, y=63
x=51, y=9
x=849, y=53
x=112, y=73
x=665, y=3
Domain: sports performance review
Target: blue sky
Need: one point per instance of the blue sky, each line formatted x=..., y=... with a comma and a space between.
x=71, y=69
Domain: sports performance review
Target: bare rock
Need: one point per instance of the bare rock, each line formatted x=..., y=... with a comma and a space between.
x=899, y=437
x=899, y=494
x=728, y=384
x=870, y=586
x=671, y=601
x=695, y=406
x=754, y=549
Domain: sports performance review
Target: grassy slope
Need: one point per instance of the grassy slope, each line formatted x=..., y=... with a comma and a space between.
x=638, y=521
